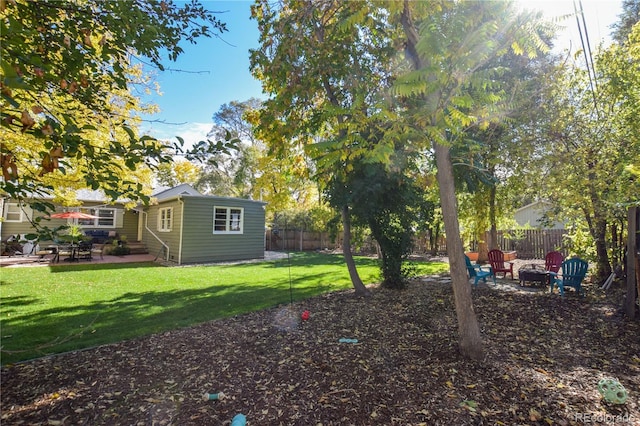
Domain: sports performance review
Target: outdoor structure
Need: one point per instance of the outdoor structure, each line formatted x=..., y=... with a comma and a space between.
x=532, y=214
x=186, y=227
x=181, y=225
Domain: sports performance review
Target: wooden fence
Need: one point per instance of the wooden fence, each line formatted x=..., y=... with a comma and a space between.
x=296, y=240
x=529, y=243
x=533, y=243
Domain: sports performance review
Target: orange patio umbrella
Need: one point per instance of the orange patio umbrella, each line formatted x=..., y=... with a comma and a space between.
x=72, y=215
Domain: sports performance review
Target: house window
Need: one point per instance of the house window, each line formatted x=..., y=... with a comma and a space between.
x=106, y=218
x=228, y=220
x=165, y=219
x=13, y=213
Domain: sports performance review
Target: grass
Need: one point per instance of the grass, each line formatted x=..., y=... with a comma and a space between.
x=62, y=308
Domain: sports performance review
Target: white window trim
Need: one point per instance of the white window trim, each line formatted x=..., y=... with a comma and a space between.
x=6, y=213
x=96, y=222
x=162, y=224
x=228, y=220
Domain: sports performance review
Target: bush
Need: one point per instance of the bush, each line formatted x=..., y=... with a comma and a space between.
x=120, y=250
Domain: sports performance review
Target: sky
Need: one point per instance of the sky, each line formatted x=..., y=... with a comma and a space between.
x=215, y=71
x=212, y=73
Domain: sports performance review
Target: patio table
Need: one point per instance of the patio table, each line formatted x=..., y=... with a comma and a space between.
x=71, y=249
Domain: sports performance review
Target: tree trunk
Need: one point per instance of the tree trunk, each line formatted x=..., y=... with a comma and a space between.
x=632, y=263
x=470, y=339
x=493, y=233
x=358, y=285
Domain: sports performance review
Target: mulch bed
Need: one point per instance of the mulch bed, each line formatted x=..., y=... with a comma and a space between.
x=544, y=358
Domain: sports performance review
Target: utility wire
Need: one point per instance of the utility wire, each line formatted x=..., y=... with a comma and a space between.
x=586, y=36
x=586, y=51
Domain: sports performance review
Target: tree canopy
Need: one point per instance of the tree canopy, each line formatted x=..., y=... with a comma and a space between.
x=67, y=69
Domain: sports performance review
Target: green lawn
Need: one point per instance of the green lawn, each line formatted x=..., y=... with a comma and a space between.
x=62, y=308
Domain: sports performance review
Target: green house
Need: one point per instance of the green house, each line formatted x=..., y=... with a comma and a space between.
x=181, y=225
x=187, y=227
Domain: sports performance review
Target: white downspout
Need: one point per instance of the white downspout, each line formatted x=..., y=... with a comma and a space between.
x=181, y=201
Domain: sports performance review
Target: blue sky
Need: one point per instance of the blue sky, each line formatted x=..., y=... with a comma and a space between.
x=217, y=73
x=218, y=68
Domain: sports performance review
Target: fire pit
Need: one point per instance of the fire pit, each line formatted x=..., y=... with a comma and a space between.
x=533, y=273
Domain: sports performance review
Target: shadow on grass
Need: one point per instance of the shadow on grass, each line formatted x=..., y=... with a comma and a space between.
x=57, y=268
x=136, y=314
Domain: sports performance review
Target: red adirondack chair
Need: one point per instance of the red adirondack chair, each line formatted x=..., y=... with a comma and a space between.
x=553, y=261
x=496, y=258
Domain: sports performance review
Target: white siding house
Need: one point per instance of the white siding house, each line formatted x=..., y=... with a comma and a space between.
x=532, y=214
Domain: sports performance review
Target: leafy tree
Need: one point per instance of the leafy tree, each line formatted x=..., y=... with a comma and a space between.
x=66, y=71
x=233, y=175
x=596, y=138
x=323, y=64
x=178, y=172
x=626, y=20
x=384, y=199
x=449, y=46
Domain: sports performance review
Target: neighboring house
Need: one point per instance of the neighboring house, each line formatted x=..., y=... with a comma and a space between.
x=181, y=225
x=532, y=214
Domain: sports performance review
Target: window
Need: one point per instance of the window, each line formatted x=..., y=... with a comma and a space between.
x=106, y=218
x=165, y=219
x=228, y=220
x=13, y=213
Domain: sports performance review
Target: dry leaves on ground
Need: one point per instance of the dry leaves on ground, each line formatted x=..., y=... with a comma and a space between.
x=544, y=358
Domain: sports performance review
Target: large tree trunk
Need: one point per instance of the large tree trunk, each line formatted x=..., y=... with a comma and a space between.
x=633, y=274
x=468, y=328
x=470, y=340
x=358, y=285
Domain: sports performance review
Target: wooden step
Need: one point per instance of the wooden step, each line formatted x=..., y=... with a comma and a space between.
x=138, y=247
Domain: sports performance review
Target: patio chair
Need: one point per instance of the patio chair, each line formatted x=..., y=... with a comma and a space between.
x=477, y=273
x=99, y=249
x=65, y=250
x=573, y=272
x=84, y=251
x=553, y=261
x=496, y=259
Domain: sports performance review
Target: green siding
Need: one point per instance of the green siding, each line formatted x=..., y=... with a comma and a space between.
x=171, y=238
x=129, y=224
x=201, y=245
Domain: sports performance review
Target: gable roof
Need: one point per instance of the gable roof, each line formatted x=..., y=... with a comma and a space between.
x=182, y=189
x=540, y=204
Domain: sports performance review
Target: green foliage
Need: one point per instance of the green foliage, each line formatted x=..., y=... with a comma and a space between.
x=579, y=243
x=626, y=20
x=315, y=219
x=120, y=250
x=66, y=71
x=593, y=138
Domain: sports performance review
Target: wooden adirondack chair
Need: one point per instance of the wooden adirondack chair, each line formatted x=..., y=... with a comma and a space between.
x=553, y=261
x=496, y=259
x=573, y=272
x=477, y=273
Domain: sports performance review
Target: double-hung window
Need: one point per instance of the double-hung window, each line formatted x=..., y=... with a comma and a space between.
x=228, y=220
x=165, y=219
x=13, y=213
x=105, y=218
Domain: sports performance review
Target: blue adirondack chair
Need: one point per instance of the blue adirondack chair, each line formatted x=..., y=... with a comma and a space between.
x=477, y=273
x=573, y=272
